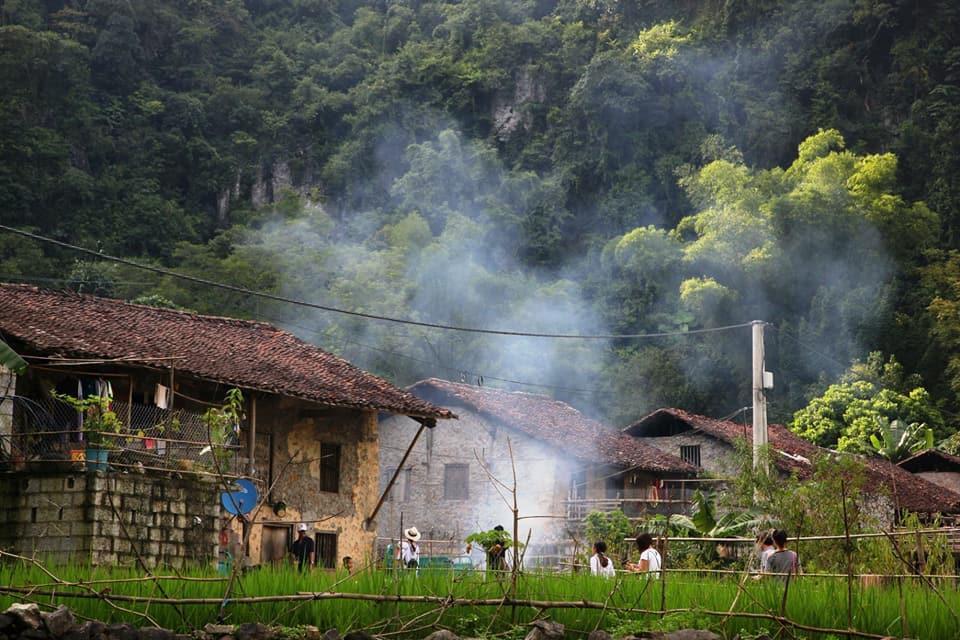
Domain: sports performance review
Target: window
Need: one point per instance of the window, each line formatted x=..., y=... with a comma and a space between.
x=385, y=480
x=329, y=467
x=690, y=453
x=407, y=483
x=326, y=554
x=456, y=481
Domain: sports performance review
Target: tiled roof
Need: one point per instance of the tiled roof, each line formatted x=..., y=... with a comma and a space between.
x=250, y=355
x=930, y=460
x=553, y=422
x=796, y=455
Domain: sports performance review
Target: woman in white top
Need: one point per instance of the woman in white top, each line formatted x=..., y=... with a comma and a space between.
x=600, y=564
x=650, y=560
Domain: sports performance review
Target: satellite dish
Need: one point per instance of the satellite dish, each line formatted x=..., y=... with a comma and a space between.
x=242, y=499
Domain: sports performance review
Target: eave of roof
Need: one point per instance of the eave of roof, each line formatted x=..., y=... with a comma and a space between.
x=913, y=463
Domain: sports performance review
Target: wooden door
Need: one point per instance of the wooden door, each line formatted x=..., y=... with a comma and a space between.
x=274, y=544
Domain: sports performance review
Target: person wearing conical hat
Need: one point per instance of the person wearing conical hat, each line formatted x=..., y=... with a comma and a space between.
x=410, y=549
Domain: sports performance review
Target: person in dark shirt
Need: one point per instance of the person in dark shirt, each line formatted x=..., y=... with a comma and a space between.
x=302, y=548
x=783, y=561
x=497, y=553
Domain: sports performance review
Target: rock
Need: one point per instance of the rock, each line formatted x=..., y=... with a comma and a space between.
x=218, y=630
x=121, y=631
x=6, y=622
x=443, y=634
x=25, y=615
x=686, y=634
x=81, y=632
x=94, y=630
x=545, y=630
x=151, y=633
x=599, y=634
x=358, y=635
x=253, y=631
x=58, y=621
x=311, y=632
x=331, y=634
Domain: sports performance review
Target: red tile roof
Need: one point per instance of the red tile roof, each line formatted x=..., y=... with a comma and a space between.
x=250, y=355
x=796, y=455
x=553, y=422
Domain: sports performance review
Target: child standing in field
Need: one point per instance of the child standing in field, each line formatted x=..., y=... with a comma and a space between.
x=783, y=560
x=650, y=559
x=600, y=564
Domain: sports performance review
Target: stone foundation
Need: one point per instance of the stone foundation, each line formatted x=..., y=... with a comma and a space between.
x=108, y=518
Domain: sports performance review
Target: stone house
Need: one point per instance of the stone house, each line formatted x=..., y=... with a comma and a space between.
x=710, y=444
x=935, y=466
x=308, y=436
x=566, y=464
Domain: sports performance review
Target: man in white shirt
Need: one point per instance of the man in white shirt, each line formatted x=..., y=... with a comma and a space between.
x=409, y=552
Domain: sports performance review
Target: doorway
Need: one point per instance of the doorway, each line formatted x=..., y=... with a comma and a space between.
x=274, y=543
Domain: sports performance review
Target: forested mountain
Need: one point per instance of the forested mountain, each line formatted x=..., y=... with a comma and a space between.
x=568, y=166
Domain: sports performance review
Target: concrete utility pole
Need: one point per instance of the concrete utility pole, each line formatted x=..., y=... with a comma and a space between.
x=762, y=380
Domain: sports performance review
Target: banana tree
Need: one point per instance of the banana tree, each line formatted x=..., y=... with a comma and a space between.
x=10, y=359
x=703, y=522
x=896, y=440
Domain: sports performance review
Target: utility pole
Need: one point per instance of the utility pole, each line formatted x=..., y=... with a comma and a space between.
x=762, y=380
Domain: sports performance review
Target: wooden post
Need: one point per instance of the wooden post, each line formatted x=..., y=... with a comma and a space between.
x=129, y=402
x=252, y=435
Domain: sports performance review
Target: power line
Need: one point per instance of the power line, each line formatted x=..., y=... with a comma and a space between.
x=437, y=364
x=358, y=314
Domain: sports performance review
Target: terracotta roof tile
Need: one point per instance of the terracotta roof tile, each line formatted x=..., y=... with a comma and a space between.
x=796, y=455
x=553, y=422
x=246, y=354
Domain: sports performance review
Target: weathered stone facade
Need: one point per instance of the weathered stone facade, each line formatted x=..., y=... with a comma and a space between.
x=545, y=480
x=109, y=518
x=294, y=431
x=716, y=457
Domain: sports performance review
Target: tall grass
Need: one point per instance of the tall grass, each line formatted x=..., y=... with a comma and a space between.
x=813, y=601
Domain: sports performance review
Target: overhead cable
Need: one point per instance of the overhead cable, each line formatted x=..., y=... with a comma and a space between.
x=358, y=314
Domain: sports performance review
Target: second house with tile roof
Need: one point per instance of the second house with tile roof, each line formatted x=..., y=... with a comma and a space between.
x=567, y=465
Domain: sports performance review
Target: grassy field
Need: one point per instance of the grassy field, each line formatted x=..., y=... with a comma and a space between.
x=817, y=602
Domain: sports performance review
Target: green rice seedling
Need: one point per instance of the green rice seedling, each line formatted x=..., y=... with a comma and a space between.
x=812, y=601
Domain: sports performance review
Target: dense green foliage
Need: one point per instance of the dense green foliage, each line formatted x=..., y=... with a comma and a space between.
x=809, y=601
x=550, y=165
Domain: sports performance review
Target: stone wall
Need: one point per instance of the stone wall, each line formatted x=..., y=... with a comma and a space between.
x=716, y=457
x=296, y=430
x=109, y=518
x=543, y=476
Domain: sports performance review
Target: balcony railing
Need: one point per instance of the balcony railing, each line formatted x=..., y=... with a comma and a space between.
x=675, y=496
x=50, y=435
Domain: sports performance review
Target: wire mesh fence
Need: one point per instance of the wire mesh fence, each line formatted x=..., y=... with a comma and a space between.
x=51, y=434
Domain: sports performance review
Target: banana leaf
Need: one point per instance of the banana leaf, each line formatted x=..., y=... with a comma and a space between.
x=10, y=359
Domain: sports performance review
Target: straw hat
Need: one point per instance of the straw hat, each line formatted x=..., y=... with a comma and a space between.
x=412, y=534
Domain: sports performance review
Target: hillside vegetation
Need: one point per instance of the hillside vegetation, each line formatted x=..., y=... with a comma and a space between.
x=568, y=166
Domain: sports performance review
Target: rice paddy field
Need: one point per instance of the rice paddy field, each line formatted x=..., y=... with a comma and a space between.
x=818, y=602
